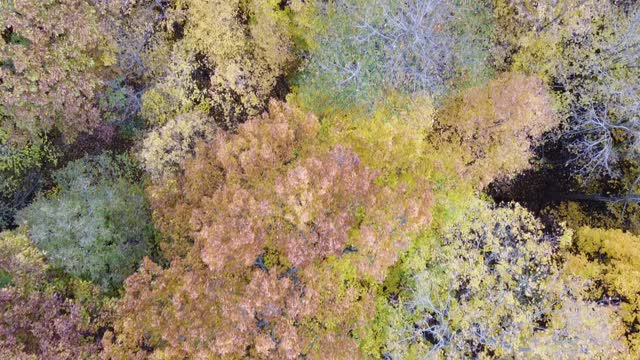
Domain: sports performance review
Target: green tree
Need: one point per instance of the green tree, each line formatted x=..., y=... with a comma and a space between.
x=97, y=225
x=361, y=49
x=21, y=174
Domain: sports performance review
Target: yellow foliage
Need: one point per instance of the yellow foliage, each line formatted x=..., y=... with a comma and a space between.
x=392, y=138
x=246, y=47
x=485, y=290
x=610, y=259
x=20, y=259
x=494, y=126
x=166, y=148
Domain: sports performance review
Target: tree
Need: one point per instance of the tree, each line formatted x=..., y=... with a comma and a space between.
x=221, y=57
x=164, y=150
x=21, y=175
x=198, y=65
x=53, y=58
x=97, y=225
x=603, y=97
x=609, y=259
x=40, y=326
x=496, y=125
x=587, y=51
x=45, y=314
x=360, y=49
x=487, y=289
x=275, y=215
x=21, y=263
x=247, y=48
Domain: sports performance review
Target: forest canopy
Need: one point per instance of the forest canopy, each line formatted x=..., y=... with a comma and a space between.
x=319, y=179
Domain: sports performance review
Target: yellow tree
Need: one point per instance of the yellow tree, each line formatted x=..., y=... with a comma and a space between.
x=610, y=260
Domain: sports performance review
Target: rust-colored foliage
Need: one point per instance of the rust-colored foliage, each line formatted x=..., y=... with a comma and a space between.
x=496, y=124
x=52, y=57
x=291, y=241
x=42, y=326
x=259, y=149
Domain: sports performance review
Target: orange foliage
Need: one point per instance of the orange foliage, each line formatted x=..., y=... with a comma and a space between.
x=290, y=244
x=496, y=125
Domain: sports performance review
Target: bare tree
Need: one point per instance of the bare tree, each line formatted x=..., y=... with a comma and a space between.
x=411, y=45
x=600, y=76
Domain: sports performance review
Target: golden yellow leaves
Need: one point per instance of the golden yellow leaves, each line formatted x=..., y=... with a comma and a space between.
x=497, y=124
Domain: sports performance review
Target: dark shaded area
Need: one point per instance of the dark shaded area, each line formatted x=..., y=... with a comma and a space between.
x=201, y=75
x=283, y=4
x=281, y=89
x=538, y=187
x=551, y=182
x=178, y=30
x=31, y=184
x=7, y=34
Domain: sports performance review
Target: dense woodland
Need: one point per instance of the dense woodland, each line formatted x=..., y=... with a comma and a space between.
x=319, y=179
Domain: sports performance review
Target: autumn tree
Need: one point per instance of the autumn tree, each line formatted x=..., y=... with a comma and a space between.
x=609, y=260
x=52, y=58
x=163, y=151
x=44, y=314
x=603, y=105
x=486, y=289
x=221, y=56
x=586, y=51
x=203, y=63
x=496, y=125
x=275, y=217
x=245, y=48
x=97, y=224
x=40, y=326
x=21, y=263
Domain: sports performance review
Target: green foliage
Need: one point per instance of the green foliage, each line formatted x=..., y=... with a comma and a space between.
x=391, y=139
x=97, y=225
x=20, y=174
